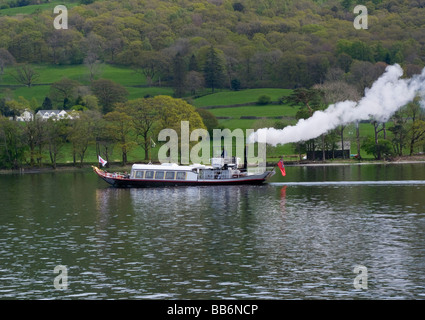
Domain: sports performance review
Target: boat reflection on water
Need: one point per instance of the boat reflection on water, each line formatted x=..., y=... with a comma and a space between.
x=283, y=200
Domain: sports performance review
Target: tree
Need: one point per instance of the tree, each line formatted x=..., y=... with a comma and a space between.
x=144, y=113
x=179, y=75
x=12, y=144
x=47, y=104
x=25, y=74
x=30, y=131
x=416, y=134
x=307, y=98
x=172, y=111
x=291, y=71
x=119, y=125
x=108, y=93
x=237, y=6
x=39, y=139
x=105, y=139
x=150, y=64
x=416, y=129
x=336, y=91
x=64, y=91
x=381, y=149
x=310, y=101
x=171, y=114
x=193, y=63
x=209, y=120
x=194, y=82
x=213, y=70
x=56, y=133
x=93, y=64
x=81, y=133
x=364, y=73
x=235, y=84
x=399, y=132
x=90, y=102
x=14, y=108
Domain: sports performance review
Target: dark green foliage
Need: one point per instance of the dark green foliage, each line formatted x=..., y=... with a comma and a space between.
x=47, y=104
x=213, y=70
x=235, y=84
x=263, y=100
x=12, y=144
x=108, y=93
x=237, y=6
x=382, y=149
x=209, y=120
x=179, y=73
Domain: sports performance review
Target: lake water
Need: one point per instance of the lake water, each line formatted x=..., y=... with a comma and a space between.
x=299, y=237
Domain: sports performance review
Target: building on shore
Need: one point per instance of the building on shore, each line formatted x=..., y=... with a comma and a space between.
x=337, y=152
x=26, y=116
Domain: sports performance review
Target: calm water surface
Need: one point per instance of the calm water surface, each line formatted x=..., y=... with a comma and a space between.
x=296, y=238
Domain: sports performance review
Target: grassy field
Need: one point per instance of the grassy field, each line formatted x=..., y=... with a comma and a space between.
x=225, y=98
x=52, y=73
x=32, y=8
x=135, y=83
x=274, y=110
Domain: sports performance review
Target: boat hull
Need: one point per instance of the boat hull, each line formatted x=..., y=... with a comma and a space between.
x=121, y=182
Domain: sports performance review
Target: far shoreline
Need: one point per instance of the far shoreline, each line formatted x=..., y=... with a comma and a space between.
x=304, y=163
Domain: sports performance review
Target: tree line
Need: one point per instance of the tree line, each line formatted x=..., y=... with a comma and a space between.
x=403, y=134
x=134, y=123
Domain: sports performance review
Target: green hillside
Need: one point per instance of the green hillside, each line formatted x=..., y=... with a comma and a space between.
x=219, y=55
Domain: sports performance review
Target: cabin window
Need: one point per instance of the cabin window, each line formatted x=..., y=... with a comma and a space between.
x=169, y=175
x=159, y=175
x=181, y=176
x=139, y=174
x=149, y=174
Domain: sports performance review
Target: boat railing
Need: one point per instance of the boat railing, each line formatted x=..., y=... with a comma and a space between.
x=116, y=175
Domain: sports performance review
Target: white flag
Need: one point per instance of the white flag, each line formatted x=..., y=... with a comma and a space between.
x=103, y=162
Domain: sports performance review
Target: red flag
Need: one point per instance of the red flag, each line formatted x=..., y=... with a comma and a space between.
x=282, y=167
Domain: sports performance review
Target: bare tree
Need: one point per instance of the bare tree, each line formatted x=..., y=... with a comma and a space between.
x=25, y=74
x=93, y=64
x=195, y=81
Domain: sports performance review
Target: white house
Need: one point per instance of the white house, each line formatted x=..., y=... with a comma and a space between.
x=56, y=114
x=26, y=116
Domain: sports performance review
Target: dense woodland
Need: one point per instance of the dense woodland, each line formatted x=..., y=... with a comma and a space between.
x=214, y=44
x=270, y=43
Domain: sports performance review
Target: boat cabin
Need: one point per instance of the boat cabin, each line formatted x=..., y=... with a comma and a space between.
x=221, y=168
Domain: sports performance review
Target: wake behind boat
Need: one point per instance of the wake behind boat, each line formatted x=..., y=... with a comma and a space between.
x=222, y=171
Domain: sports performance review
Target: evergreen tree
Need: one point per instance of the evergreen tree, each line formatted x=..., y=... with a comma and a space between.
x=193, y=64
x=47, y=104
x=213, y=70
x=179, y=75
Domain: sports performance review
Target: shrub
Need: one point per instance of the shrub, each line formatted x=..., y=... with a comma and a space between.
x=236, y=84
x=381, y=150
x=263, y=100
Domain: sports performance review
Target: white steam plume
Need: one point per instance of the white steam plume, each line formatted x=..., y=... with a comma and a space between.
x=387, y=94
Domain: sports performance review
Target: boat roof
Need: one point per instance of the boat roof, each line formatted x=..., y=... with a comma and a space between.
x=169, y=166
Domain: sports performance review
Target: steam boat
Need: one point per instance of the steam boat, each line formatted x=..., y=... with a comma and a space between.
x=222, y=171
